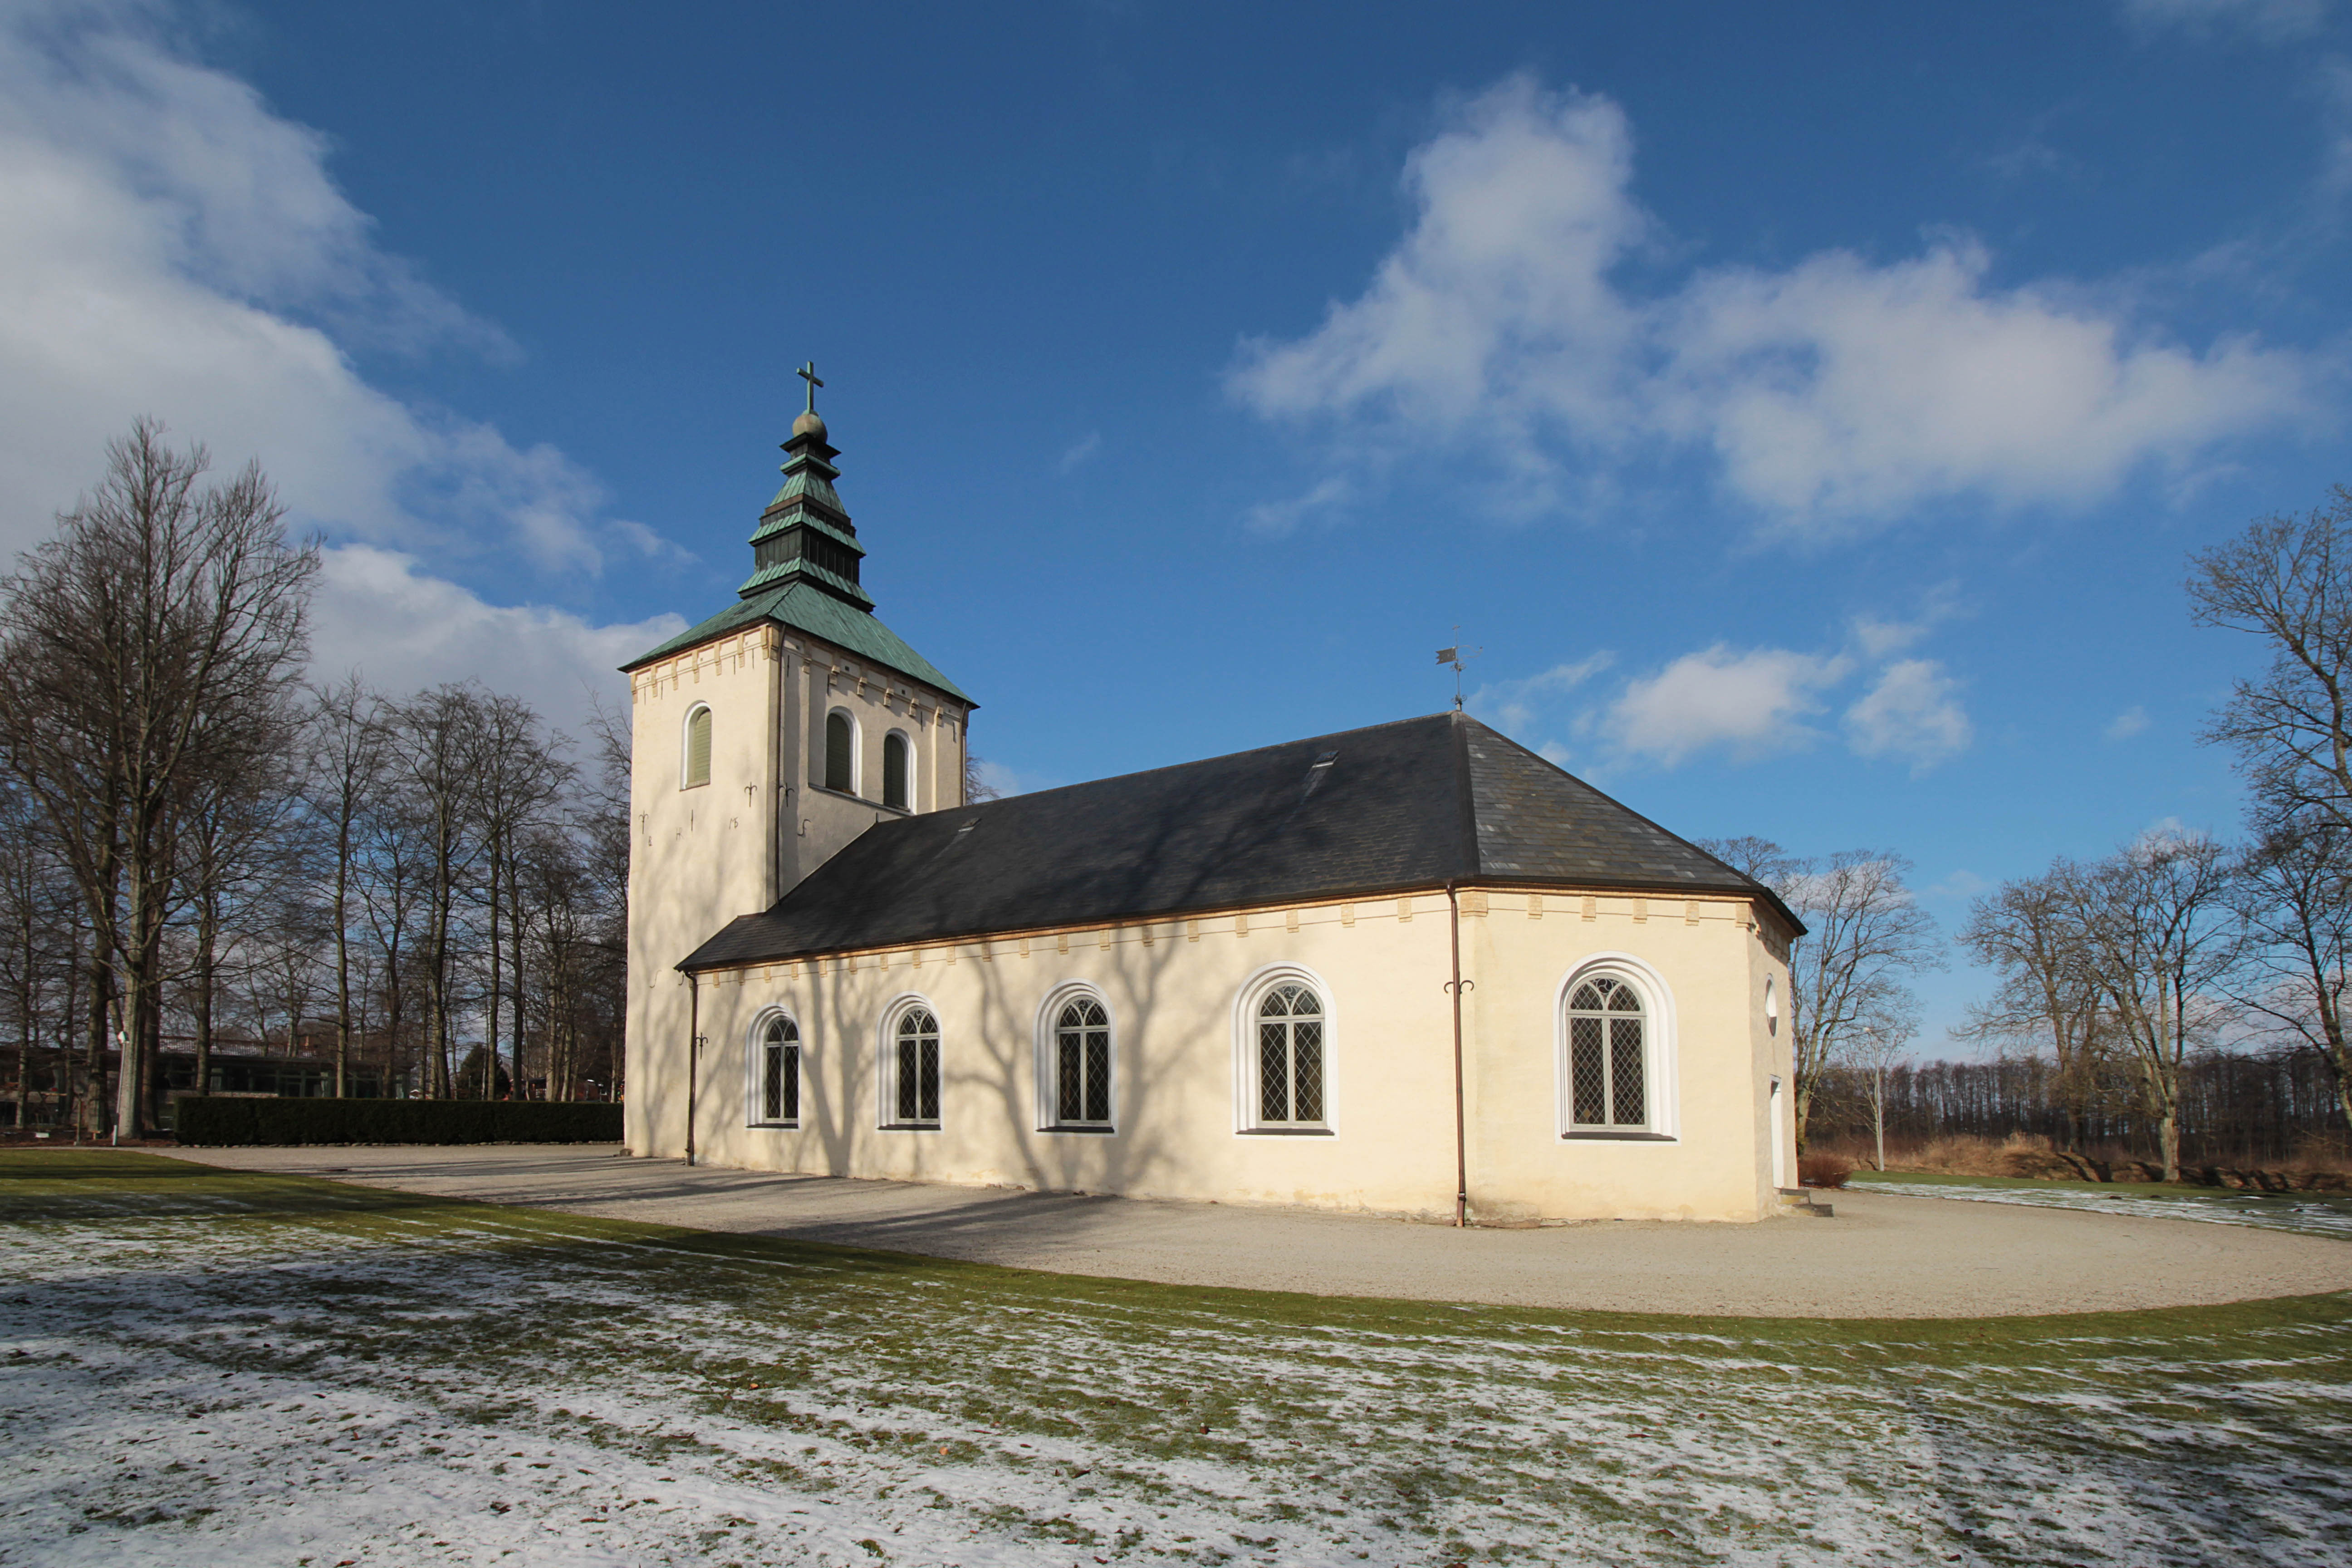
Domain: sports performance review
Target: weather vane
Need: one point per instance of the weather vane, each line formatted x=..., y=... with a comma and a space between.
x=1457, y=656
x=808, y=373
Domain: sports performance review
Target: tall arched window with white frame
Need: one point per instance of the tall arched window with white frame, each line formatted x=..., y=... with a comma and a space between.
x=910, y=1069
x=1608, y=1068
x=1081, y=1063
x=776, y=1074
x=695, y=765
x=1292, y=1078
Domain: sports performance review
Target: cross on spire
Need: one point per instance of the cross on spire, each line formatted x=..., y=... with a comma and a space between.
x=808, y=373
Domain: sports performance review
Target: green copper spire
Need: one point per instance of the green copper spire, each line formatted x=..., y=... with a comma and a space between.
x=805, y=536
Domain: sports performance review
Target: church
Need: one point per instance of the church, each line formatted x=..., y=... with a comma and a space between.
x=1411, y=970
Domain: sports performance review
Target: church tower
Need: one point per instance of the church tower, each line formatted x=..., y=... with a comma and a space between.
x=764, y=740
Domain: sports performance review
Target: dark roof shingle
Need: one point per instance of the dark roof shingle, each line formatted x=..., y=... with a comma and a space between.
x=1414, y=803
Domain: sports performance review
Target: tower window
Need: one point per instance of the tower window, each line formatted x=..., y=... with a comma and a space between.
x=894, y=771
x=840, y=740
x=697, y=748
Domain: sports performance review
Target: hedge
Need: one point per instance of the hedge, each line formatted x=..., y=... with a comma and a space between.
x=206, y=1120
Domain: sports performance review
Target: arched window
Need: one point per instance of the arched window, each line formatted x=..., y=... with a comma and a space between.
x=1290, y=1065
x=910, y=1088
x=697, y=770
x=894, y=771
x=776, y=1064
x=1608, y=1056
x=1080, y=1063
x=840, y=752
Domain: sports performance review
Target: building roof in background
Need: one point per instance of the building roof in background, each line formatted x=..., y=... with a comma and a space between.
x=1414, y=803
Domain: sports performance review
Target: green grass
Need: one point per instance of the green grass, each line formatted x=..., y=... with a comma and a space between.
x=1147, y=1420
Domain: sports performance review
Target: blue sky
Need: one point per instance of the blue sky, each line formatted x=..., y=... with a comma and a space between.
x=1806, y=409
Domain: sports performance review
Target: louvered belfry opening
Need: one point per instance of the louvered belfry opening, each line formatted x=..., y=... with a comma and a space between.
x=1606, y=1068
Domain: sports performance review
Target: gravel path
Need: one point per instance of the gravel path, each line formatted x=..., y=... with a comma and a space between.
x=1882, y=1257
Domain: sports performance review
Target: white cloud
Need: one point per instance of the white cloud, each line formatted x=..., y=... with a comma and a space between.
x=2273, y=21
x=1832, y=393
x=1879, y=637
x=1911, y=713
x=1512, y=704
x=401, y=629
x=1282, y=516
x=1752, y=704
x=2127, y=724
x=168, y=246
x=1081, y=452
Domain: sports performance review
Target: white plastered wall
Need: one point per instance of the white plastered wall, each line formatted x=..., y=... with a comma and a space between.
x=700, y=856
x=1171, y=987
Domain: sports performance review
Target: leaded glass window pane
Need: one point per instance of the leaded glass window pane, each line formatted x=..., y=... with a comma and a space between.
x=1082, y=1063
x=780, y=1072
x=1274, y=1072
x=1587, y=1083
x=1098, y=1073
x=1307, y=1058
x=1607, y=1071
x=916, y=1089
x=1069, y=1088
x=1626, y=1107
x=1290, y=1056
x=894, y=771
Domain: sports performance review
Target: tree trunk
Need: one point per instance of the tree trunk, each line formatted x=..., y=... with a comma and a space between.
x=521, y=1088
x=490, y=1029
x=1878, y=1118
x=100, y=1103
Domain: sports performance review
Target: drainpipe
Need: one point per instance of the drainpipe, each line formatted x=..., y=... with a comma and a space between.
x=693, y=1052
x=1461, y=1141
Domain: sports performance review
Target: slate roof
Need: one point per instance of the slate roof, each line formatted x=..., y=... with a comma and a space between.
x=1410, y=804
x=819, y=615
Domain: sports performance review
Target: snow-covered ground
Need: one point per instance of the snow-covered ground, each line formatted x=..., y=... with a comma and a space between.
x=2313, y=1213
x=250, y=1370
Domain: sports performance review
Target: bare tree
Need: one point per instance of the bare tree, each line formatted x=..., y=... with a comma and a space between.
x=233, y=867
x=347, y=763
x=436, y=749
x=36, y=919
x=2030, y=931
x=2294, y=892
x=1872, y=1047
x=1866, y=932
x=976, y=787
x=2288, y=580
x=522, y=775
x=2161, y=938
x=156, y=635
